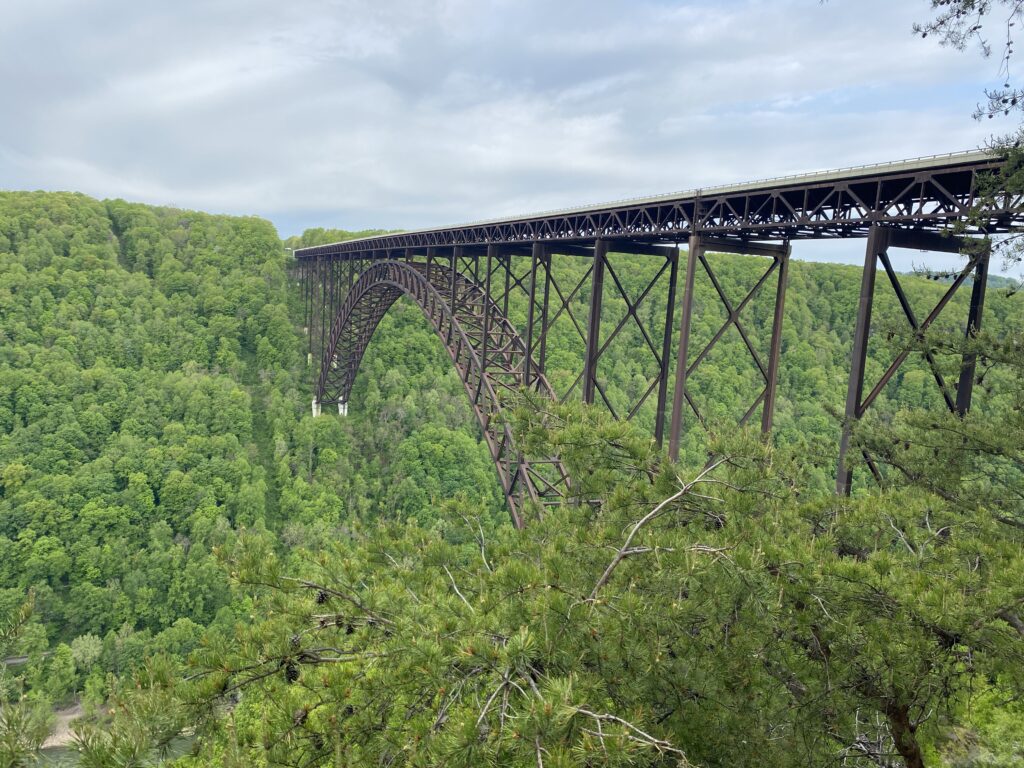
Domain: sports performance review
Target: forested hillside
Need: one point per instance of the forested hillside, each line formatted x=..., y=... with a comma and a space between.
x=128, y=446
x=181, y=539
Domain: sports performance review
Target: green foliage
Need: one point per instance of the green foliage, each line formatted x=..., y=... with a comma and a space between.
x=25, y=721
x=678, y=620
x=148, y=720
x=348, y=589
x=24, y=725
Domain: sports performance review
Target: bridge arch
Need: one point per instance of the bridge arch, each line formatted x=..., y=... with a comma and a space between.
x=487, y=351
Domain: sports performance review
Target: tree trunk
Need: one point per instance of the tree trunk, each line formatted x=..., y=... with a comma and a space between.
x=903, y=734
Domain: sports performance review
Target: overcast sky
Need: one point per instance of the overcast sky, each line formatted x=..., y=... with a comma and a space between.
x=409, y=113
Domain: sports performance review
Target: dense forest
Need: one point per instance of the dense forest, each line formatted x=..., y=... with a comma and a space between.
x=215, y=577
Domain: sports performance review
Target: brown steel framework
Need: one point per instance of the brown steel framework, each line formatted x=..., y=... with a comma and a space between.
x=880, y=241
x=485, y=348
x=467, y=278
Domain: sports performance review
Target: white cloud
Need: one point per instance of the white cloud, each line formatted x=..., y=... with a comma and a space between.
x=407, y=113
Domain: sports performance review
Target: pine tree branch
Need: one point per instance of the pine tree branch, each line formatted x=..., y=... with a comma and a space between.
x=627, y=549
x=634, y=733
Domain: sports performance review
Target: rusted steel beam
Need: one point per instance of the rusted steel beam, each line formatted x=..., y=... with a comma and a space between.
x=594, y=321
x=775, y=348
x=878, y=242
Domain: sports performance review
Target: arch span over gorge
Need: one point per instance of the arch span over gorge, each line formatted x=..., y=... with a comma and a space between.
x=488, y=354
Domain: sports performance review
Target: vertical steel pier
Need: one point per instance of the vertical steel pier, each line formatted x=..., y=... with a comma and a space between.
x=881, y=239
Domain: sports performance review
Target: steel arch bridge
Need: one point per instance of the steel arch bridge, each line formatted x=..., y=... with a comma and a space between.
x=485, y=348
x=463, y=279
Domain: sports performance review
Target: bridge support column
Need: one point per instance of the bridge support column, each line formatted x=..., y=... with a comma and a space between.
x=333, y=284
x=775, y=348
x=492, y=253
x=307, y=275
x=311, y=307
x=537, y=316
x=343, y=409
x=456, y=255
x=542, y=353
x=695, y=250
x=880, y=240
x=325, y=302
x=965, y=387
x=594, y=322
x=316, y=409
x=666, y=347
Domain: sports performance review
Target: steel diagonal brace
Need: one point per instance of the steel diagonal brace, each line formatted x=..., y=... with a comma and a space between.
x=564, y=302
x=880, y=239
x=652, y=385
x=733, y=316
x=631, y=312
x=920, y=329
x=908, y=311
x=631, y=308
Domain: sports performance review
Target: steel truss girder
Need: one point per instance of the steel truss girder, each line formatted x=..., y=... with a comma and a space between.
x=485, y=348
x=922, y=198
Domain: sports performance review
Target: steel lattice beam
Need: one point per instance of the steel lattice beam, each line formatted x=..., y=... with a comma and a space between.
x=926, y=195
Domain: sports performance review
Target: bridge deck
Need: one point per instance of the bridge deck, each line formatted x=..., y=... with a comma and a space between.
x=925, y=193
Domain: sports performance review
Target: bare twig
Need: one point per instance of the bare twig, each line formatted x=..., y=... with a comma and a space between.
x=479, y=539
x=491, y=698
x=627, y=549
x=456, y=588
x=633, y=733
x=902, y=535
